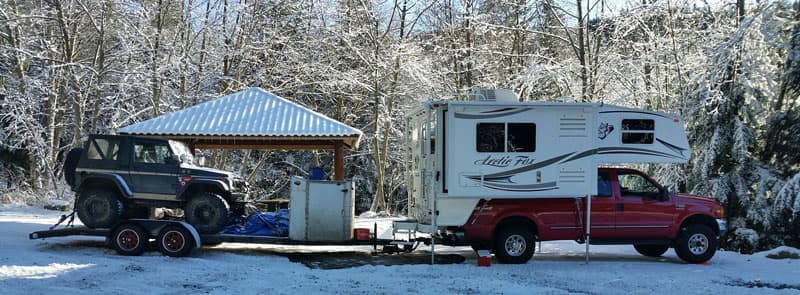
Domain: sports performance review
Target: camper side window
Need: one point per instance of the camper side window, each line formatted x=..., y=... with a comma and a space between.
x=502, y=137
x=638, y=131
x=490, y=137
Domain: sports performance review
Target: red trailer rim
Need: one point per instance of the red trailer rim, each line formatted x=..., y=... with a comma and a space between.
x=128, y=239
x=173, y=241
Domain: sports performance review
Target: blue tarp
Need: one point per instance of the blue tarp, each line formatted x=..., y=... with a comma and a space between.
x=274, y=224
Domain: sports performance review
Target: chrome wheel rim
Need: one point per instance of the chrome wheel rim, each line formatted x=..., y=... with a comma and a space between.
x=698, y=244
x=515, y=245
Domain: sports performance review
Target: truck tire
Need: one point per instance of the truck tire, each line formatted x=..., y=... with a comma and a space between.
x=651, y=250
x=129, y=239
x=70, y=163
x=98, y=207
x=175, y=241
x=696, y=243
x=207, y=212
x=514, y=245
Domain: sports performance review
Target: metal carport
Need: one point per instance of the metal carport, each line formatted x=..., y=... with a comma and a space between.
x=253, y=119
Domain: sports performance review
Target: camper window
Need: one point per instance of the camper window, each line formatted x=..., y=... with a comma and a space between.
x=638, y=131
x=521, y=138
x=490, y=137
x=502, y=137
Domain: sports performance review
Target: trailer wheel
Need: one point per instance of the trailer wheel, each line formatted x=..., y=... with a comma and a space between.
x=98, y=208
x=651, y=250
x=696, y=243
x=175, y=241
x=129, y=239
x=514, y=245
x=207, y=212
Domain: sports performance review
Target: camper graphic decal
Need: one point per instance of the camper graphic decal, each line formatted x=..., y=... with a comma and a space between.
x=497, y=113
x=502, y=180
x=505, y=161
x=672, y=147
x=604, y=130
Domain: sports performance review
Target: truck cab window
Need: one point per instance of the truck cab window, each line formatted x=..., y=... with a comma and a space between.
x=635, y=185
x=603, y=185
x=638, y=131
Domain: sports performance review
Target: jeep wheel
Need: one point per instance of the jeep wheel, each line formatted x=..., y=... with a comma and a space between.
x=514, y=245
x=207, y=212
x=651, y=250
x=129, y=239
x=175, y=241
x=98, y=208
x=696, y=243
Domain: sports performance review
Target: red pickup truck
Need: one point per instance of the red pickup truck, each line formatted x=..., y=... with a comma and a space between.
x=630, y=208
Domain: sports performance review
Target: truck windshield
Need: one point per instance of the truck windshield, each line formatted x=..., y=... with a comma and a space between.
x=182, y=151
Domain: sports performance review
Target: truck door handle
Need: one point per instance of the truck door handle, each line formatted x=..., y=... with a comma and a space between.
x=620, y=207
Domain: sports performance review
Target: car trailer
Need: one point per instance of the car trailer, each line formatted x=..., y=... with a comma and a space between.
x=178, y=238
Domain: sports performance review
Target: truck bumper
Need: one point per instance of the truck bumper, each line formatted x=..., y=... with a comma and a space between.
x=723, y=226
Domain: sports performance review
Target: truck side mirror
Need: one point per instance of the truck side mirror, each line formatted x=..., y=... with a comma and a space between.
x=663, y=195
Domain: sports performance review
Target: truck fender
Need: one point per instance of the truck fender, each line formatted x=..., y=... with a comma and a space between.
x=698, y=219
x=219, y=184
x=514, y=218
x=118, y=181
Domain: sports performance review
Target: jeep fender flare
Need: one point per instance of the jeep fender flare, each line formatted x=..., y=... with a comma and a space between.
x=122, y=186
x=220, y=185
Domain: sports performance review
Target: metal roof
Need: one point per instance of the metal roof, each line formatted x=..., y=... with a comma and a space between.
x=250, y=115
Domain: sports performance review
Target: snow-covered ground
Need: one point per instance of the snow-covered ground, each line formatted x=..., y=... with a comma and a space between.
x=80, y=265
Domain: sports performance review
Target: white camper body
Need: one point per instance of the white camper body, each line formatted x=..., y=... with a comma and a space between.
x=465, y=151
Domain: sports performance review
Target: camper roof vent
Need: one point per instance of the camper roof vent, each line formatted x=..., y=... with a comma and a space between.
x=494, y=95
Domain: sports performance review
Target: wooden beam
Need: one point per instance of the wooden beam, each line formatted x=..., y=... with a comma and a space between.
x=338, y=162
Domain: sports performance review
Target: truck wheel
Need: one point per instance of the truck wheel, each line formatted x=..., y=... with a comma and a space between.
x=129, y=239
x=175, y=241
x=98, y=208
x=651, y=250
x=514, y=245
x=696, y=243
x=207, y=212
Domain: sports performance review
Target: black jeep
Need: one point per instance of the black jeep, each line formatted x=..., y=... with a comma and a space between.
x=118, y=176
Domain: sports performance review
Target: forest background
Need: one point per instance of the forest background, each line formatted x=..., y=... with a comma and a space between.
x=731, y=69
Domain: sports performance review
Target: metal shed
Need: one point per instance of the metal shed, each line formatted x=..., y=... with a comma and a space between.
x=253, y=119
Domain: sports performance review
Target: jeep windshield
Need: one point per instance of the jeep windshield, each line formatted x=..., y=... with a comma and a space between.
x=182, y=151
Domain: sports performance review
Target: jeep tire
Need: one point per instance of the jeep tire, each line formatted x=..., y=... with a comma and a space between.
x=207, y=212
x=98, y=207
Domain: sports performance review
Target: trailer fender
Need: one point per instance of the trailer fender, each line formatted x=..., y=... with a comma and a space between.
x=217, y=186
x=116, y=179
x=195, y=234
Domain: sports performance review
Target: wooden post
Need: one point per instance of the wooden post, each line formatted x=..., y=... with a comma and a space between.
x=338, y=162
